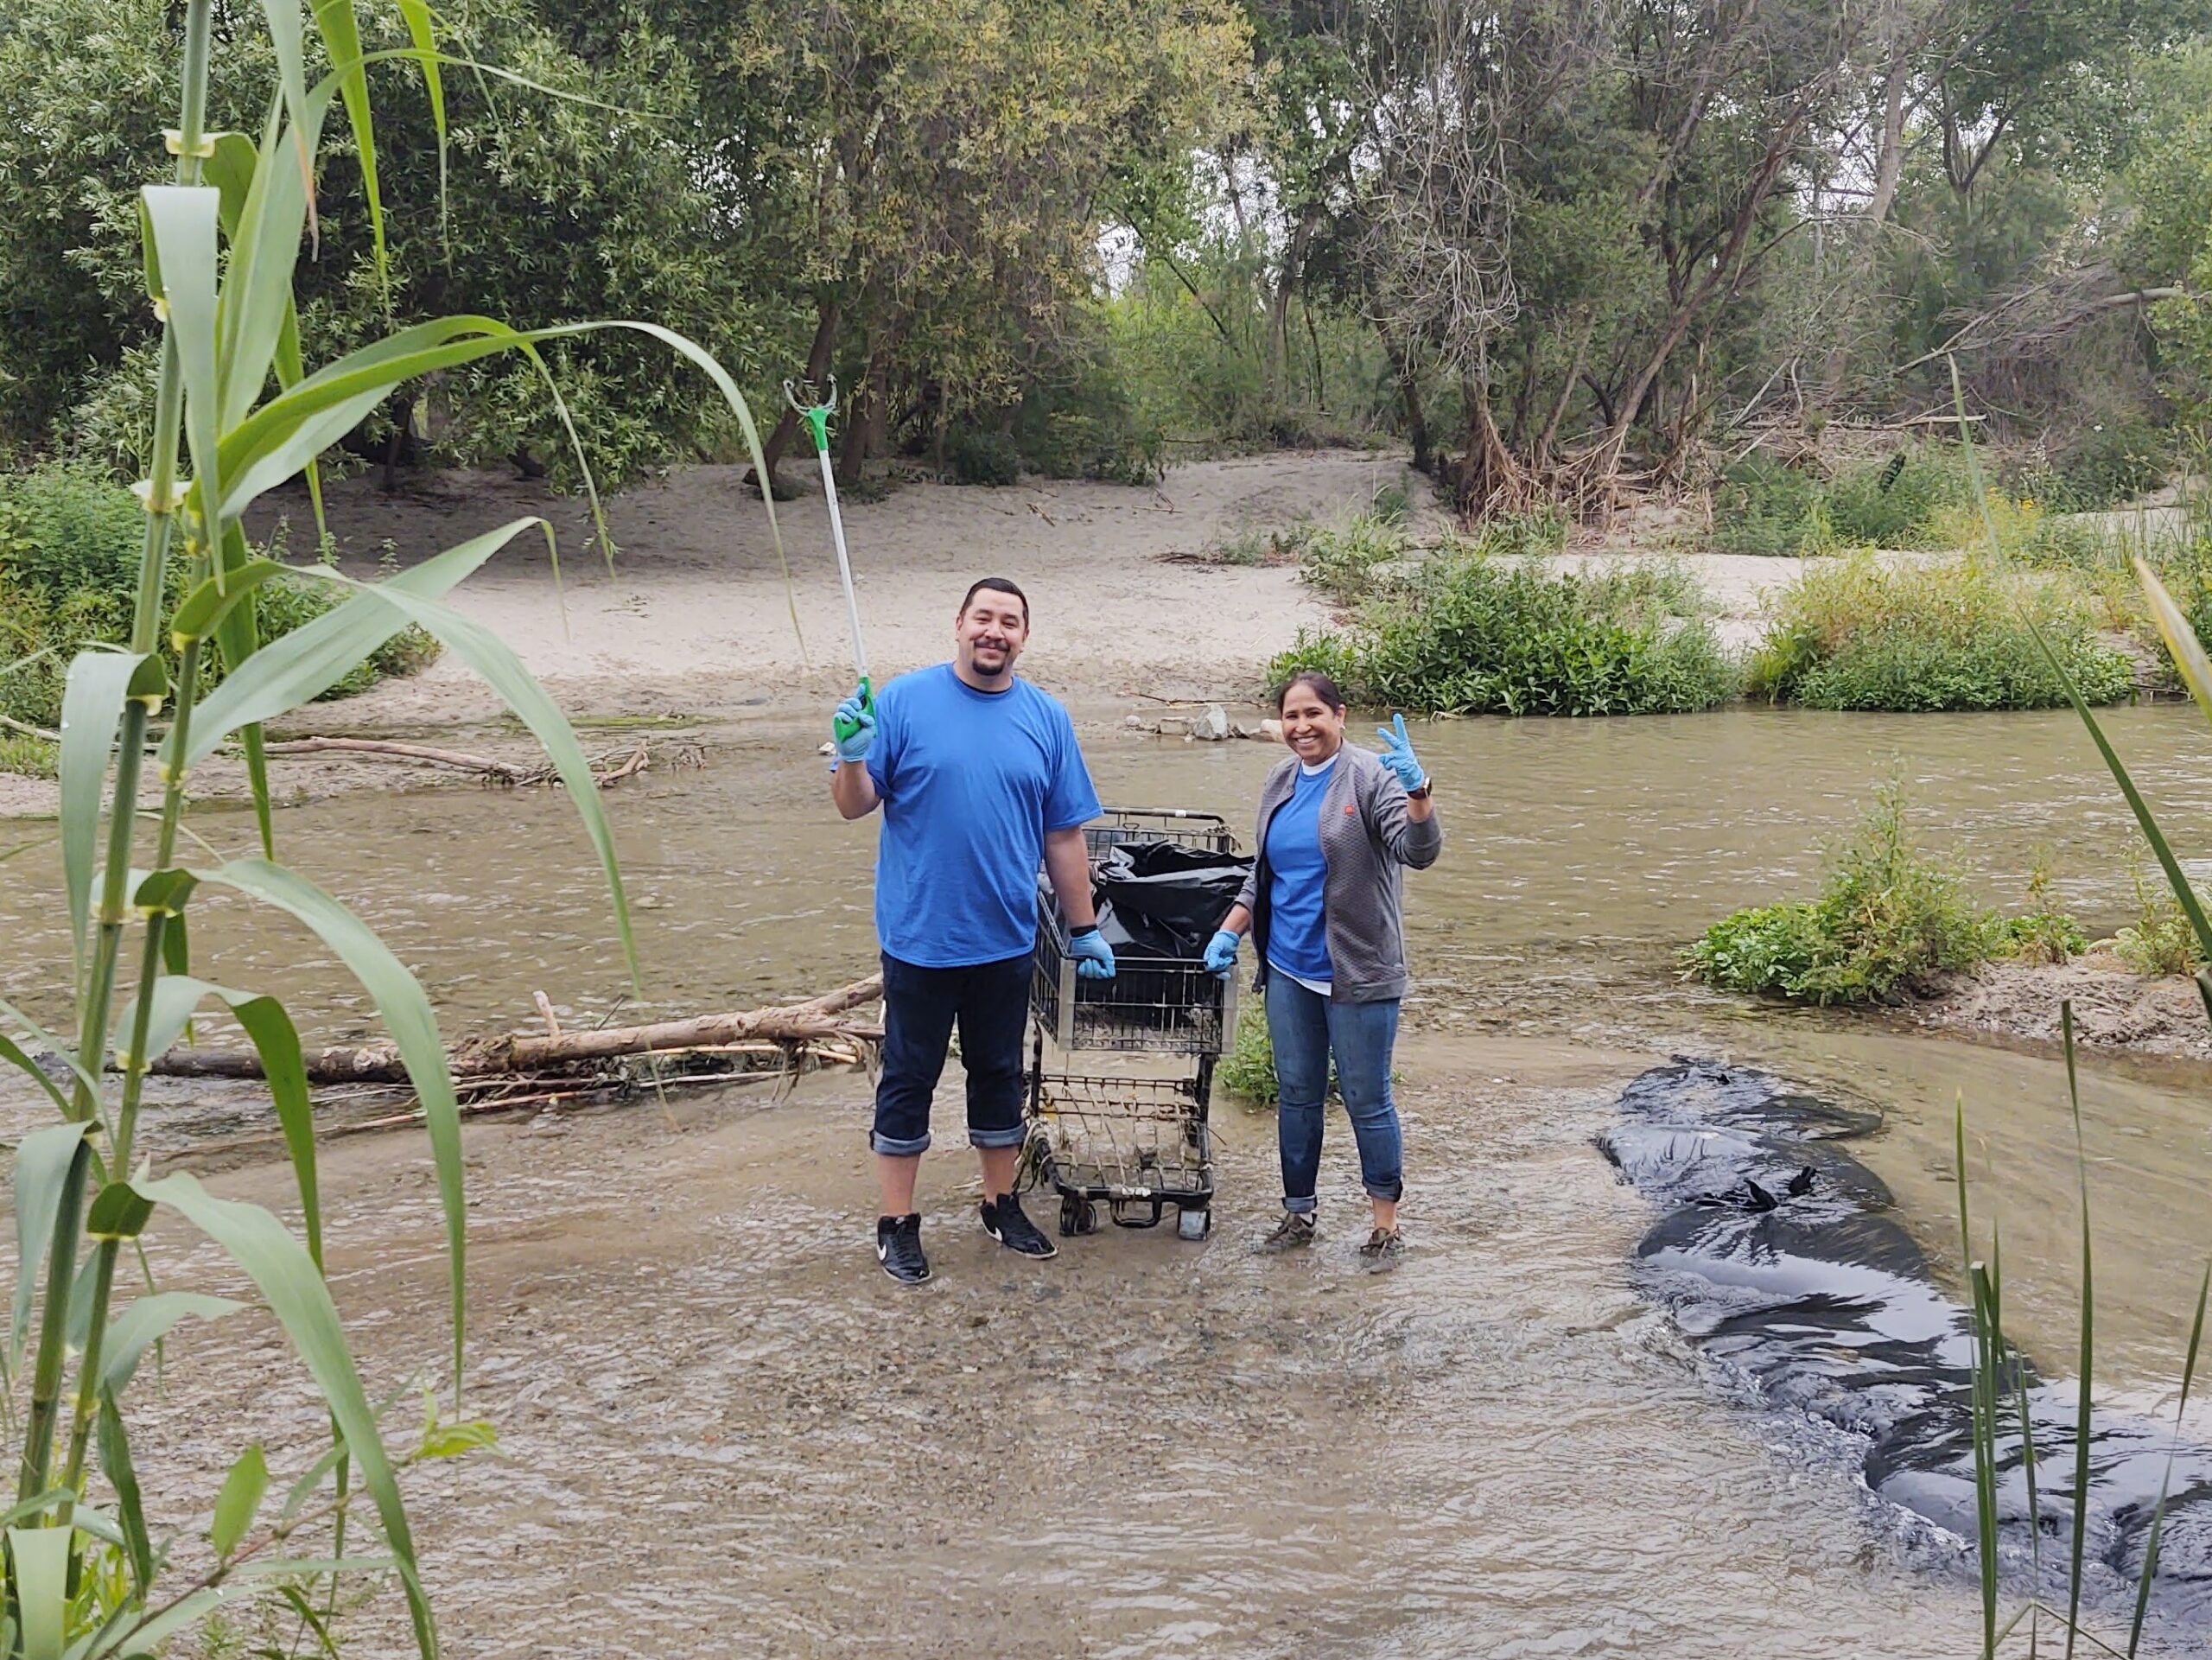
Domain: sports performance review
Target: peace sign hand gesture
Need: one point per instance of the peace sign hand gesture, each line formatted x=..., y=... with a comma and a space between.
x=1398, y=754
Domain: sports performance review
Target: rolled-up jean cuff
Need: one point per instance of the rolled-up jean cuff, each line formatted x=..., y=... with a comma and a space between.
x=1012, y=1135
x=897, y=1149
x=1394, y=1192
x=1305, y=1206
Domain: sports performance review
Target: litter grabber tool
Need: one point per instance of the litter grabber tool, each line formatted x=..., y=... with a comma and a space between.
x=816, y=418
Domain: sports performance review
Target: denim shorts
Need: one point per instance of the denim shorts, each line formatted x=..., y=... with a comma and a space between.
x=989, y=1002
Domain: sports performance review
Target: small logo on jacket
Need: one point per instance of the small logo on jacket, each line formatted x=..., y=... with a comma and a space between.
x=1350, y=810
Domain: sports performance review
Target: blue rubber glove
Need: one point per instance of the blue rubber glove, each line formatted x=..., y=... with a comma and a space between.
x=1221, y=951
x=1398, y=754
x=1094, y=957
x=858, y=711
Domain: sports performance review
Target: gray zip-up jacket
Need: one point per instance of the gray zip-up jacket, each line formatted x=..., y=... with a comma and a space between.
x=1365, y=839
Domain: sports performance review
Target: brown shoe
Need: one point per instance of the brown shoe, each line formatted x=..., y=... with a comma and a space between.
x=1296, y=1229
x=1384, y=1249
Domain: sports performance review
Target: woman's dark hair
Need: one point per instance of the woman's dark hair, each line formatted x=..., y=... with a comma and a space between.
x=1314, y=681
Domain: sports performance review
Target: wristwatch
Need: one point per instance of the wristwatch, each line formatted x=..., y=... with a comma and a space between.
x=1421, y=794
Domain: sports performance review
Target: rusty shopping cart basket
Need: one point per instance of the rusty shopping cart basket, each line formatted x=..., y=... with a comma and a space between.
x=1138, y=1145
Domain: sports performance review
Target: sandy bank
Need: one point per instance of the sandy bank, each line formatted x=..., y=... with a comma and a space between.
x=2112, y=1008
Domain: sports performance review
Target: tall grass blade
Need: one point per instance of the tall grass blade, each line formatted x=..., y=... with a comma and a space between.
x=2188, y=651
x=288, y=34
x=92, y=709
x=239, y=1499
x=2087, y=1363
x=13, y=1053
x=421, y=31
x=41, y=1588
x=312, y=658
x=341, y=36
x=2165, y=1483
x=42, y=1163
x=406, y=1014
x=269, y=1026
x=148, y=1320
x=184, y=220
x=130, y=1505
x=495, y=661
x=294, y=1288
x=47, y=1041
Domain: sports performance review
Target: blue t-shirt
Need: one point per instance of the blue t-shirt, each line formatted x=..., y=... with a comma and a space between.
x=971, y=781
x=1298, y=935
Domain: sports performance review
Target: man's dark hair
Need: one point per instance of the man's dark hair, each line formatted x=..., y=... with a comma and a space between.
x=997, y=585
x=1318, y=682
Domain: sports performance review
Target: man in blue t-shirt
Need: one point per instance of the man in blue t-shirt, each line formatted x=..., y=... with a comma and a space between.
x=981, y=780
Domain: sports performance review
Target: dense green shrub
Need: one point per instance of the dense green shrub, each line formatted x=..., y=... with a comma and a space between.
x=1856, y=635
x=1887, y=916
x=1473, y=631
x=2111, y=462
x=1342, y=561
x=1763, y=505
x=1892, y=503
x=978, y=456
x=70, y=541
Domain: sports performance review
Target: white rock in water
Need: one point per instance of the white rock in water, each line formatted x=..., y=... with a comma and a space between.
x=1211, y=726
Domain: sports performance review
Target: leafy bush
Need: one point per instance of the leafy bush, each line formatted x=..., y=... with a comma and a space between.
x=1855, y=634
x=1892, y=503
x=1342, y=561
x=982, y=457
x=2043, y=937
x=1887, y=916
x=70, y=542
x=1473, y=631
x=1763, y=506
x=2160, y=940
x=2113, y=461
x=1248, y=1071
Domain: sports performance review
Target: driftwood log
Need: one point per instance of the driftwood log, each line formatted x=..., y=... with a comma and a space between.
x=524, y=1054
x=607, y=770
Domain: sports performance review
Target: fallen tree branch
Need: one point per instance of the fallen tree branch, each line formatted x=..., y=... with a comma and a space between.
x=818, y=1020
x=28, y=729
x=500, y=771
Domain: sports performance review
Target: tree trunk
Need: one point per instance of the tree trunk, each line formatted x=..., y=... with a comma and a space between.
x=1402, y=366
x=1293, y=266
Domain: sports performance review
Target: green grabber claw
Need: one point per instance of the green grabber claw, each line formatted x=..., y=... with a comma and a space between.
x=816, y=418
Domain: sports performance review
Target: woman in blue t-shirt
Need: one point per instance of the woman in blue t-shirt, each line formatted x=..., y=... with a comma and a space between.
x=1336, y=826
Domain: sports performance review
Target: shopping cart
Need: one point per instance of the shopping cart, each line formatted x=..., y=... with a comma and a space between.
x=1138, y=1145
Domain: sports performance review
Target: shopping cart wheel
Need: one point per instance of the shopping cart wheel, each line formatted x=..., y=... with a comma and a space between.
x=1076, y=1217
x=1193, y=1224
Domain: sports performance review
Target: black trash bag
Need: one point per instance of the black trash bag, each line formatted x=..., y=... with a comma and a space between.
x=1167, y=898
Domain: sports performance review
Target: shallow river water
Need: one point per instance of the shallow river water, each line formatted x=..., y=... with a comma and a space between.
x=728, y=1435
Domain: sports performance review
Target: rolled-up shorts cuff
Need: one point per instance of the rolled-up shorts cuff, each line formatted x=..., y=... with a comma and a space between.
x=1305, y=1206
x=1011, y=1135
x=892, y=1147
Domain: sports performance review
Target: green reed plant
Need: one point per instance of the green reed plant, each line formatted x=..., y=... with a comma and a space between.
x=2191, y=664
x=1997, y=1399
x=1248, y=1071
x=84, y=1577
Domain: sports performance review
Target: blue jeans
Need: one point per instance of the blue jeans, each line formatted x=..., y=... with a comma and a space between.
x=990, y=1002
x=1305, y=1028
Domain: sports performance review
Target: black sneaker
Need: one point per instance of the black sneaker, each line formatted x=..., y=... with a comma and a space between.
x=1004, y=1222
x=899, y=1247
